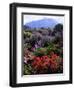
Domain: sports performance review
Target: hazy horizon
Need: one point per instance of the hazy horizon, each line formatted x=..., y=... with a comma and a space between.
x=30, y=18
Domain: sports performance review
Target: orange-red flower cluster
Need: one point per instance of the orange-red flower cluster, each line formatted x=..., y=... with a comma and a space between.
x=45, y=62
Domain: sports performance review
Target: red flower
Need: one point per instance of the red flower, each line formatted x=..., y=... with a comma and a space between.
x=53, y=66
x=45, y=57
x=45, y=62
x=41, y=62
x=54, y=56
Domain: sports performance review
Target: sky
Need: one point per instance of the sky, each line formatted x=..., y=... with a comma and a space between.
x=29, y=18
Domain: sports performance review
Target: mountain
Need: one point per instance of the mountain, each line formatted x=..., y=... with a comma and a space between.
x=45, y=23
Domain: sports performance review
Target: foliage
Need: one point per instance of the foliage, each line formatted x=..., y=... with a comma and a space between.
x=43, y=50
x=27, y=69
x=40, y=52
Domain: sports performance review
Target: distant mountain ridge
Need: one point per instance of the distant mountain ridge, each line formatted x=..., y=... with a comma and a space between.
x=42, y=23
